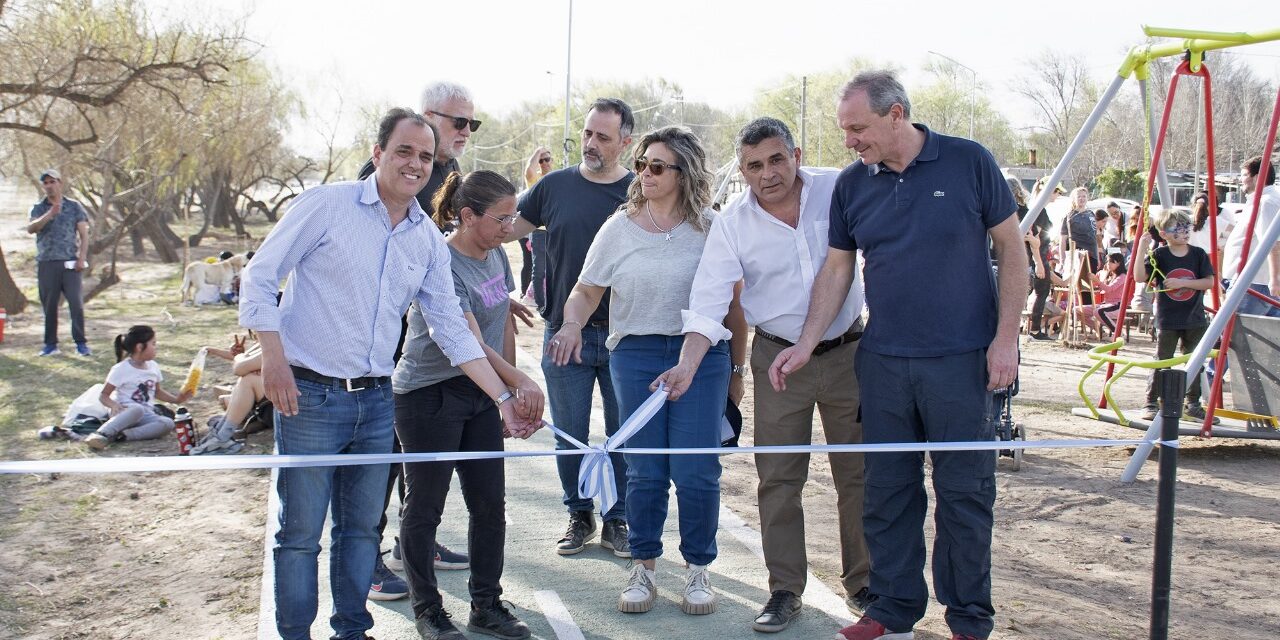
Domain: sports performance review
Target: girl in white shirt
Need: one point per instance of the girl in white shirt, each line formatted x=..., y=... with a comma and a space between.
x=132, y=386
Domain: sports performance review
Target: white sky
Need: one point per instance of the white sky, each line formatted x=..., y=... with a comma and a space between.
x=376, y=51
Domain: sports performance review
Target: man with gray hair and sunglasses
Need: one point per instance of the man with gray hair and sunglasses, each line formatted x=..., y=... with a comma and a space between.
x=773, y=240
x=920, y=207
x=449, y=108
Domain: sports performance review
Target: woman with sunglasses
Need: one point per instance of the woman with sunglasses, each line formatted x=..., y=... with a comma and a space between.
x=440, y=409
x=647, y=254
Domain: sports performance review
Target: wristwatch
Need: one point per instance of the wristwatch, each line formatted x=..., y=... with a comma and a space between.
x=506, y=395
x=740, y=370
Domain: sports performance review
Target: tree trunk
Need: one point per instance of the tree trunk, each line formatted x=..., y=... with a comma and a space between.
x=163, y=238
x=12, y=299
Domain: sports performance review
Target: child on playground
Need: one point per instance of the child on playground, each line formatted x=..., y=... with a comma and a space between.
x=132, y=385
x=1179, y=273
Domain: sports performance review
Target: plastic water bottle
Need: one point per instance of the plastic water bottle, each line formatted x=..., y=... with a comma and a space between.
x=184, y=429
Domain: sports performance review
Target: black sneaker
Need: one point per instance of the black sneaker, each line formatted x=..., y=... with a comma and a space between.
x=1040, y=335
x=613, y=535
x=1197, y=413
x=434, y=624
x=858, y=602
x=493, y=619
x=582, y=529
x=782, y=609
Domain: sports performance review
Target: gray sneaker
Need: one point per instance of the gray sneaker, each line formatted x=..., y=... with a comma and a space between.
x=640, y=592
x=1149, y=412
x=614, y=535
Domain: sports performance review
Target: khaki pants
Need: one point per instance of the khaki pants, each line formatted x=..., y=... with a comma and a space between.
x=785, y=418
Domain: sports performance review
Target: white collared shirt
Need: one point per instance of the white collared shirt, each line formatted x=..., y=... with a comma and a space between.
x=776, y=263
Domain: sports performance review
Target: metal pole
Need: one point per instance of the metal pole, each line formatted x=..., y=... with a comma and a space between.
x=1235, y=295
x=804, y=105
x=568, y=68
x=1162, y=180
x=1072, y=150
x=1195, y=181
x=1173, y=384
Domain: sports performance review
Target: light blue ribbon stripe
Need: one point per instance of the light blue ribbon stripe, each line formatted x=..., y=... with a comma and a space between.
x=595, y=476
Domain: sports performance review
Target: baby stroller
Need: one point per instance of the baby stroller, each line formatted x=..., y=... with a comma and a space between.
x=1005, y=428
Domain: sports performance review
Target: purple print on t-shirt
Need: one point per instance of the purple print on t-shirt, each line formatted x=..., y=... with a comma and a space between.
x=492, y=291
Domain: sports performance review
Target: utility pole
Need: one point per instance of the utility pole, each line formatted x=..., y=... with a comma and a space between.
x=804, y=106
x=568, y=67
x=973, y=89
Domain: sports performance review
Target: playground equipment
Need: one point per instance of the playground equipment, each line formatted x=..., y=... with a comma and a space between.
x=1191, y=45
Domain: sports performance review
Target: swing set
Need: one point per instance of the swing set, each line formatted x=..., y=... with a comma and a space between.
x=1191, y=48
x=1171, y=375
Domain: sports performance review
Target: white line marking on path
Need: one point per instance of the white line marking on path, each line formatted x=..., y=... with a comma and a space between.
x=558, y=616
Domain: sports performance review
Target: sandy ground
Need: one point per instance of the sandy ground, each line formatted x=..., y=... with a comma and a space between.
x=174, y=555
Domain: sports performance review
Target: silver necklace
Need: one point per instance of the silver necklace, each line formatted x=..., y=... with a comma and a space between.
x=668, y=232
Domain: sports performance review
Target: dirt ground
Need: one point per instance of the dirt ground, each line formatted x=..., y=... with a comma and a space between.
x=178, y=555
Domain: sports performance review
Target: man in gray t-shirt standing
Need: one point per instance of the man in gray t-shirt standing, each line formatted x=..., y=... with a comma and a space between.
x=61, y=226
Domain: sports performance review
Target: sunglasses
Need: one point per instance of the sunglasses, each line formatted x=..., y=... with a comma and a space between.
x=655, y=167
x=544, y=160
x=460, y=122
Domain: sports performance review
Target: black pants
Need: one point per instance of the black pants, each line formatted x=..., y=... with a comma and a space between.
x=526, y=265
x=453, y=415
x=1041, y=287
x=1167, y=341
x=55, y=281
x=394, y=479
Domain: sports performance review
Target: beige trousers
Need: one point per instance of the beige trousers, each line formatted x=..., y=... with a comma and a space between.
x=827, y=382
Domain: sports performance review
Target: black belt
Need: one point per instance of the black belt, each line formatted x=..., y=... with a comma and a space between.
x=350, y=384
x=852, y=335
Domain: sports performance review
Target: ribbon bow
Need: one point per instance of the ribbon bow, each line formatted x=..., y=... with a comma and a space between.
x=596, y=475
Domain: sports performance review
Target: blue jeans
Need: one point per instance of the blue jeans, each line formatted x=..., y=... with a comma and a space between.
x=940, y=399
x=569, y=394
x=1256, y=307
x=692, y=421
x=330, y=420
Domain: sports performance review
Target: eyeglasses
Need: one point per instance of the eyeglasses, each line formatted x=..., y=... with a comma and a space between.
x=504, y=220
x=460, y=122
x=655, y=167
x=544, y=160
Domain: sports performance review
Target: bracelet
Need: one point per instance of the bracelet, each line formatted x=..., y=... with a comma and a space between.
x=740, y=370
x=506, y=395
x=564, y=322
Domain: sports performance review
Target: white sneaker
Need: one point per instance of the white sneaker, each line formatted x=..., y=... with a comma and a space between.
x=640, y=592
x=699, y=599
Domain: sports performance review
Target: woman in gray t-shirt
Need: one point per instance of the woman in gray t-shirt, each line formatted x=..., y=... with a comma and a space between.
x=438, y=408
x=646, y=254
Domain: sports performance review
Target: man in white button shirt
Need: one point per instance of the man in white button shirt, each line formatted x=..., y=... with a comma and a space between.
x=774, y=240
x=1267, y=280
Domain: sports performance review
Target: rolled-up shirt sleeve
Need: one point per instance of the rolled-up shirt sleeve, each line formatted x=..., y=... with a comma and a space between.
x=299, y=231
x=718, y=271
x=442, y=310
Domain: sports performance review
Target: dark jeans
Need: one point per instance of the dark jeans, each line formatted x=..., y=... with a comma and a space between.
x=538, y=245
x=569, y=395
x=941, y=399
x=1041, y=287
x=1167, y=341
x=692, y=422
x=526, y=264
x=55, y=281
x=453, y=415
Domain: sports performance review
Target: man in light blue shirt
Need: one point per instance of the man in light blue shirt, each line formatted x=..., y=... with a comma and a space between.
x=355, y=255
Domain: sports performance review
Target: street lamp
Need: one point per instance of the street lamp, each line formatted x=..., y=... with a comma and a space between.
x=973, y=90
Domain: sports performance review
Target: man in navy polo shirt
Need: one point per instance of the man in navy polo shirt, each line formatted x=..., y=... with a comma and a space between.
x=920, y=206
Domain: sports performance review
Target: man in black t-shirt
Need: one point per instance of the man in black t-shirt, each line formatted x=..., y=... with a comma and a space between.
x=573, y=204
x=448, y=107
